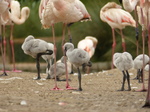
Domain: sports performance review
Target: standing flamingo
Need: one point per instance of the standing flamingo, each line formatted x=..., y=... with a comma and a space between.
x=124, y=62
x=4, y=6
x=116, y=17
x=88, y=44
x=145, y=8
x=17, y=16
x=77, y=57
x=130, y=5
x=54, y=11
x=143, y=19
x=48, y=18
x=138, y=64
x=70, y=12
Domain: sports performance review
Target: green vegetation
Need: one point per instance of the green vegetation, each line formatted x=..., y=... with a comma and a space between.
x=79, y=30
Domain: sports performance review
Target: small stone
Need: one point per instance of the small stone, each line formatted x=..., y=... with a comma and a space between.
x=23, y=102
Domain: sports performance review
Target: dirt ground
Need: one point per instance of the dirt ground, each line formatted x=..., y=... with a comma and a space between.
x=20, y=93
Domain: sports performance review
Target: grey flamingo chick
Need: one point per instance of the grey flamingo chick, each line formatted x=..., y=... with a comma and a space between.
x=123, y=62
x=138, y=64
x=60, y=69
x=77, y=57
x=36, y=48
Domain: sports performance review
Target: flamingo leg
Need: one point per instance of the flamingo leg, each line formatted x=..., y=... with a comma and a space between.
x=69, y=34
x=38, y=67
x=123, y=42
x=113, y=46
x=143, y=41
x=55, y=50
x=70, y=40
x=65, y=60
x=128, y=80
x=38, y=63
x=48, y=67
x=137, y=76
x=1, y=48
x=147, y=103
x=4, y=44
x=141, y=76
x=136, y=31
x=13, y=52
x=4, y=40
x=124, y=79
x=79, y=79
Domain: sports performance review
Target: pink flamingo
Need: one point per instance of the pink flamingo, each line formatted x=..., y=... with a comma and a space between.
x=48, y=18
x=116, y=17
x=131, y=5
x=4, y=6
x=54, y=11
x=17, y=16
x=70, y=12
x=144, y=20
x=88, y=44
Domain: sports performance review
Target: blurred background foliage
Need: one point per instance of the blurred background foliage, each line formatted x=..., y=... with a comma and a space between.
x=96, y=28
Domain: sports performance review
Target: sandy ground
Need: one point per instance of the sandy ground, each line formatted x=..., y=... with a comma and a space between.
x=20, y=93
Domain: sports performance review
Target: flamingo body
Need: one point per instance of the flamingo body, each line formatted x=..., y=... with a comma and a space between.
x=123, y=62
x=88, y=44
x=116, y=17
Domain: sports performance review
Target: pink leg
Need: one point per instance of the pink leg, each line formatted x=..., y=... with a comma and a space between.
x=13, y=57
x=123, y=42
x=1, y=48
x=4, y=43
x=137, y=31
x=13, y=52
x=65, y=60
x=55, y=50
x=113, y=46
x=143, y=40
x=147, y=103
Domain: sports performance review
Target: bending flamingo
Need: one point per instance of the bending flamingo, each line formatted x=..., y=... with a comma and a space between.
x=36, y=48
x=116, y=17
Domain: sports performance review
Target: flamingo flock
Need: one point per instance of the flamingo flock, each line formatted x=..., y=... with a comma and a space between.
x=69, y=12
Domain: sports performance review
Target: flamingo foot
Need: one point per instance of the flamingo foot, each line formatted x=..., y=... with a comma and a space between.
x=69, y=88
x=5, y=71
x=79, y=89
x=141, y=90
x=136, y=78
x=4, y=74
x=146, y=105
x=56, y=88
x=14, y=70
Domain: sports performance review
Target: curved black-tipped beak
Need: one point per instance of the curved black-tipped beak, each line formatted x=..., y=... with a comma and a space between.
x=49, y=52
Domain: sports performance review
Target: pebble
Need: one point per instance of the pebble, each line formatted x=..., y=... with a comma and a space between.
x=23, y=102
